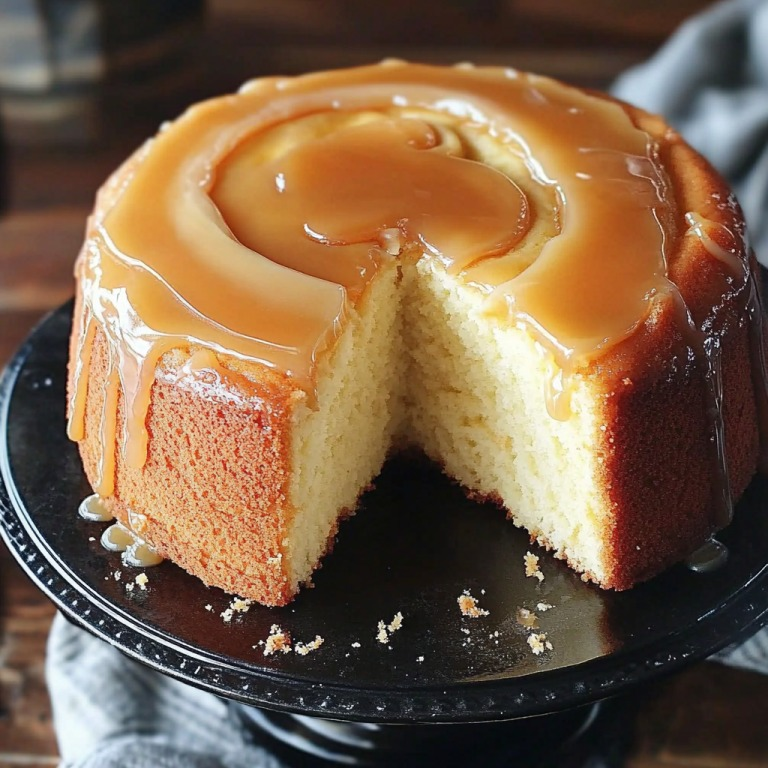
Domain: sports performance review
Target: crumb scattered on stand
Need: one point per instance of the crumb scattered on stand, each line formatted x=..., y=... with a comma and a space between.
x=469, y=607
x=382, y=635
x=355, y=645
x=238, y=605
x=304, y=648
x=129, y=586
x=117, y=575
x=142, y=580
x=393, y=626
x=278, y=641
x=419, y=659
x=544, y=607
x=396, y=623
x=539, y=643
x=532, y=566
x=209, y=607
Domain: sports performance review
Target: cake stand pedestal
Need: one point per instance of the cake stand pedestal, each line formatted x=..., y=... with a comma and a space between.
x=523, y=741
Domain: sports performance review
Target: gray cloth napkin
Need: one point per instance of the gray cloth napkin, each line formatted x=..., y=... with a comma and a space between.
x=112, y=712
x=711, y=82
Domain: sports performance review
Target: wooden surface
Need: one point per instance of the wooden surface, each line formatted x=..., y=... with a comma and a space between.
x=708, y=716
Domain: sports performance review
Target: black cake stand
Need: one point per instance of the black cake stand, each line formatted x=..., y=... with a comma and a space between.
x=414, y=547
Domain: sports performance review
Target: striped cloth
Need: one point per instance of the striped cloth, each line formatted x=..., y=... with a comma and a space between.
x=112, y=712
x=711, y=81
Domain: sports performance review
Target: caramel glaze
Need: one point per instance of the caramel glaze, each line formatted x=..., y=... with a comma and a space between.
x=212, y=242
x=118, y=537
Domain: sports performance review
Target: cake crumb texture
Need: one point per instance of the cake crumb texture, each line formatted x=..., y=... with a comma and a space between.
x=538, y=643
x=469, y=607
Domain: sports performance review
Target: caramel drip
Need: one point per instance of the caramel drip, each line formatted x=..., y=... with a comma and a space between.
x=711, y=556
x=708, y=349
x=105, y=482
x=135, y=551
x=728, y=246
x=116, y=538
x=93, y=509
x=719, y=241
x=722, y=496
x=141, y=555
x=84, y=331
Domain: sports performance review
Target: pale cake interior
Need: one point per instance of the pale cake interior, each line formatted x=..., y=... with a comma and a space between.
x=422, y=363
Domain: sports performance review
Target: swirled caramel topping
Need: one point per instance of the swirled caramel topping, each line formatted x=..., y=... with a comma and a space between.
x=344, y=190
x=253, y=223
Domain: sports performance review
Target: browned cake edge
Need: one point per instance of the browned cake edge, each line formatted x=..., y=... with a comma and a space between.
x=213, y=491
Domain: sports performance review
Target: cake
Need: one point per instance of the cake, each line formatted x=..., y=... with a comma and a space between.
x=543, y=290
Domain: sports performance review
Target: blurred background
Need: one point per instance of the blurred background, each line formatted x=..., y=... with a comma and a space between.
x=83, y=82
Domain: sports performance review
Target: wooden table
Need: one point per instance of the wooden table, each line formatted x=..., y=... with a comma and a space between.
x=705, y=717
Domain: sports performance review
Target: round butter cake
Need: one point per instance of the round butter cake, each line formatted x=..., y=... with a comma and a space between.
x=544, y=290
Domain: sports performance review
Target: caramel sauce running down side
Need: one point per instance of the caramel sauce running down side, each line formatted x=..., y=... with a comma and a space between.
x=207, y=240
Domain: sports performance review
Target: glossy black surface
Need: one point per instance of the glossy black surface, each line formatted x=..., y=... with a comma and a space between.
x=414, y=546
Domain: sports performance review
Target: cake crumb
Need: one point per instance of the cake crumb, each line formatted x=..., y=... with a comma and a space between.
x=237, y=605
x=129, y=586
x=117, y=575
x=304, y=648
x=278, y=641
x=532, y=566
x=539, y=643
x=382, y=635
x=392, y=627
x=396, y=623
x=142, y=580
x=209, y=607
x=544, y=607
x=469, y=607
x=355, y=644
x=419, y=659
x=240, y=604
